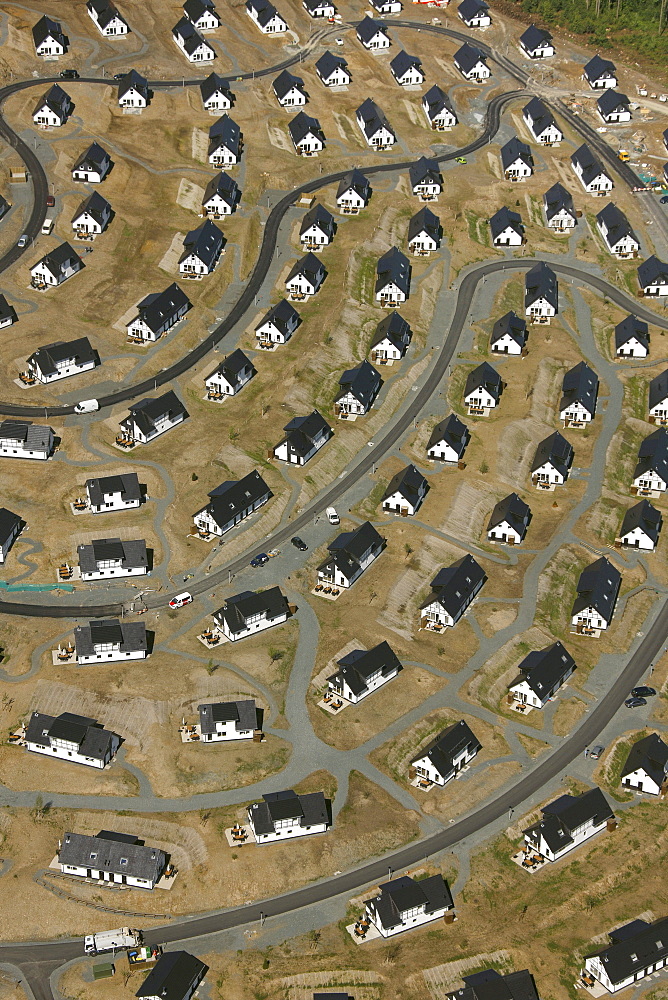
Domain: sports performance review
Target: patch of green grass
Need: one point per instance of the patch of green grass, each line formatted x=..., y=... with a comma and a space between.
x=478, y=228
x=368, y=506
x=619, y=469
x=635, y=396
x=364, y=276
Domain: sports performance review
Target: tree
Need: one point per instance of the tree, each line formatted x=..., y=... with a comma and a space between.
x=276, y=654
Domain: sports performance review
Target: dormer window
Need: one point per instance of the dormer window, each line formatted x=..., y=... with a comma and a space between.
x=93, y=856
x=124, y=861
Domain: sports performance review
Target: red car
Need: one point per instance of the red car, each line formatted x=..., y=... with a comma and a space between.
x=50, y=201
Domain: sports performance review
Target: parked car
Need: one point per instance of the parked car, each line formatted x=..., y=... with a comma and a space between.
x=50, y=201
x=69, y=74
x=635, y=702
x=181, y=599
x=664, y=200
x=23, y=240
x=119, y=76
x=299, y=543
x=596, y=751
x=643, y=692
x=332, y=516
x=260, y=559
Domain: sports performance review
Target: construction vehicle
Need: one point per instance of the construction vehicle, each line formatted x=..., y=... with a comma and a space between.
x=119, y=939
x=624, y=155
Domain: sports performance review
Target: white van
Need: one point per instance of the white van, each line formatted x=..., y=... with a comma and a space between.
x=47, y=227
x=332, y=516
x=181, y=599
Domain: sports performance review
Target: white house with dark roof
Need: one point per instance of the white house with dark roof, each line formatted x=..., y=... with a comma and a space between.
x=482, y=390
x=541, y=123
x=92, y=166
x=221, y=196
x=231, y=503
x=11, y=526
x=509, y=335
x=560, y=213
x=658, y=399
x=225, y=142
x=453, y=589
x=251, y=612
x=353, y=193
x=589, y=171
x=516, y=160
x=7, y=313
x=107, y=19
x=56, y=267
x=61, y=360
x=305, y=278
x=551, y=462
x=289, y=90
x=202, y=14
x=202, y=248
x=541, y=294
x=472, y=64
x=149, y=418
x=614, y=108
x=157, y=313
x=446, y=755
x=266, y=17
x=536, y=43
x=448, y=440
x=286, y=815
x=317, y=229
x=372, y=35
x=393, y=278
x=350, y=554
x=221, y=722
x=386, y=6
x=390, y=340
x=600, y=74
x=405, y=492
x=438, y=110
x=230, y=376
x=407, y=70
x=175, y=976
x=363, y=671
x=506, y=228
x=191, y=43
x=636, y=951
x=53, y=108
x=73, y=738
x=425, y=179
x=653, y=276
x=424, y=233
x=4, y=207
x=580, y=392
x=632, y=338
x=307, y=136
x=406, y=903
x=597, y=592
x=23, y=439
x=646, y=767
x=133, y=92
x=509, y=521
x=92, y=216
x=541, y=673
x=49, y=38
x=112, y=493
x=617, y=232
x=117, y=858
x=489, y=982
x=319, y=8
x=304, y=437
x=567, y=823
x=641, y=527
x=333, y=70
x=374, y=126
x=474, y=13
x=651, y=472
x=110, y=640
x=278, y=325
x=358, y=388
x=216, y=94
x=112, y=558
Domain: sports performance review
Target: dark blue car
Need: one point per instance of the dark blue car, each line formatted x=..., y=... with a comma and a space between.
x=260, y=559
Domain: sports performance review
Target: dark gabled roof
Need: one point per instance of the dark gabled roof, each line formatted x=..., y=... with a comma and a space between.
x=453, y=431
x=453, y=585
x=189, y=34
x=131, y=553
x=513, y=510
x=658, y=389
x=409, y=482
x=491, y=985
x=618, y=226
x=395, y=328
x=611, y=100
x=244, y=714
x=484, y=376
x=301, y=432
x=471, y=8
x=425, y=171
x=224, y=132
x=346, y=550
x=598, y=67
x=60, y=257
x=652, y=271
x=281, y=315
x=327, y=63
x=533, y=38
x=89, y=736
x=225, y=186
x=234, y=496
x=360, y=664
x=205, y=242
x=541, y=116
x=514, y=150
x=320, y=217
x=95, y=157
x=264, y=10
x=591, y=167
x=580, y=385
x=448, y=745
x=556, y=199
x=6, y=311
x=649, y=754
x=357, y=181
x=8, y=524
x=195, y=8
x=309, y=266
x=504, y=219
x=285, y=82
x=127, y=484
x=311, y=809
x=36, y=437
x=556, y=450
x=46, y=358
x=213, y=83
x=513, y=325
x=373, y=118
x=633, y=949
x=303, y=124
x=653, y=455
x=45, y=27
x=629, y=328
x=542, y=669
x=173, y=976
x=541, y=283
x=436, y=101
x=403, y=62
x=147, y=411
x=142, y=861
x=394, y=266
x=96, y=206
x=468, y=56
x=424, y=221
x=368, y=28
x=642, y=515
x=241, y=606
x=133, y=80
x=363, y=382
x=232, y=366
x=56, y=99
x=130, y=635
x=157, y=307
x=597, y=588
x=404, y=893
x=563, y=816
x=314, y=5
x=105, y=12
